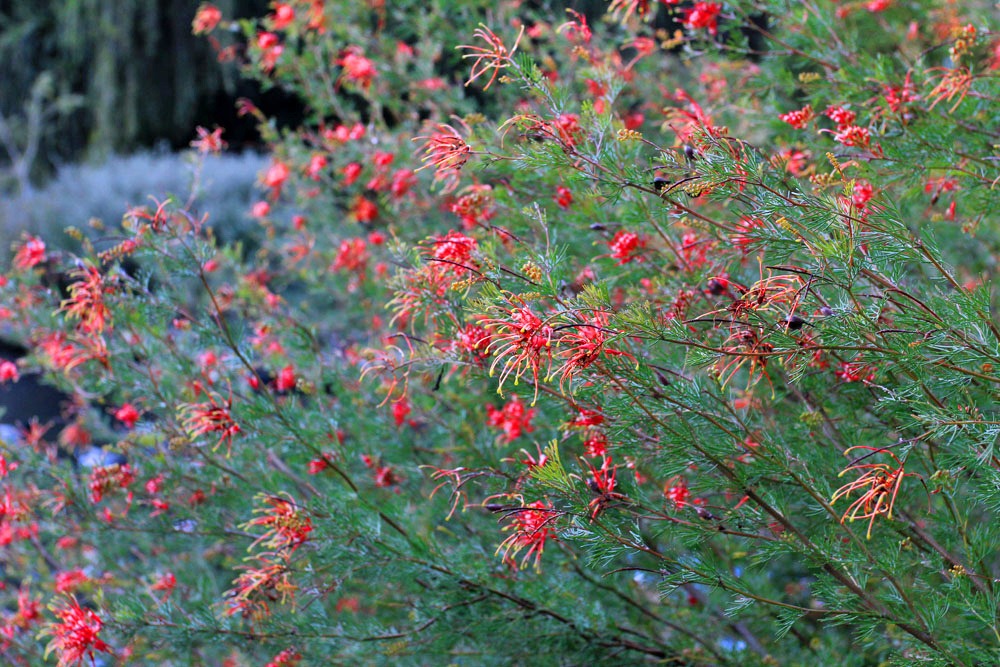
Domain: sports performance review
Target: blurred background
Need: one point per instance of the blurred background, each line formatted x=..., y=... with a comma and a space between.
x=98, y=99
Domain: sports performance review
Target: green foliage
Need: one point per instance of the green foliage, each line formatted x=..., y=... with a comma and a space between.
x=723, y=377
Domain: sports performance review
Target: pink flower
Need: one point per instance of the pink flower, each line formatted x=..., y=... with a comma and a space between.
x=8, y=372
x=260, y=210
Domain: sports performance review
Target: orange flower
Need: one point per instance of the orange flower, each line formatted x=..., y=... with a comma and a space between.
x=882, y=482
x=86, y=302
x=288, y=525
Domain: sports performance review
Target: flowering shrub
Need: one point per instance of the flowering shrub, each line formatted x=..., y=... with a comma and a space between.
x=711, y=270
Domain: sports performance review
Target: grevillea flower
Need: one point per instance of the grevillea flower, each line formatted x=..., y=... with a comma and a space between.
x=206, y=19
x=104, y=479
x=212, y=416
x=853, y=135
x=86, y=300
x=32, y=253
x=880, y=482
x=602, y=482
x=513, y=419
x=703, y=15
x=677, y=492
x=799, y=118
x=521, y=341
x=583, y=343
x=75, y=636
x=8, y=372
x=452, y=254
x=284, y=16
x=209, y=142
x=271, y=49
x=447, y=152
x=274, y=178
x=288, y=525
x=269, y=581
x=128, y=415
x=531, y=527
x=494, y=56
x=357, y=68
x=625, y=246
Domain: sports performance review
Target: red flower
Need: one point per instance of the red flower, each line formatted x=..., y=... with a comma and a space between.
x=525, y=338
x=563, y=197
x=364, y=210
x=213, y=416
x=284, y=16
x=531, y=526
x=275, y=177
x=853, y=135
x=357, y=68
x=285, y=380
x=351, y=256
x=32, y=253
x=128, y=415
x=585, y=342
x=104, y=479
x=447, y=152
x=271, y=50
x=209, y=142
x=799, y=118
x=568, y=130
x=677, y=492
x=166, y=584
x=625, y=246
x=67, y=582
x=385, y=477
x=512, y=419
x=205, y=20
x=400, y=410
x=841, y=116
x=703, y=15
x=75, y=637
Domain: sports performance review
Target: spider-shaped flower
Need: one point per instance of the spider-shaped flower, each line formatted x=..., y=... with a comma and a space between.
x=584, y=343
x=447, y=152
x=521, y=341
x=288, y=524
x=212, y=416
x=532, y=527
x=494, y=56
x=882, y=482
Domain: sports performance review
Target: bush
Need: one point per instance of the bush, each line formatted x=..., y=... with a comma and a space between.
x=665, y=344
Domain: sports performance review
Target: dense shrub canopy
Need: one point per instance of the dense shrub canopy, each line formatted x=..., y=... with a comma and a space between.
x=660, y=333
